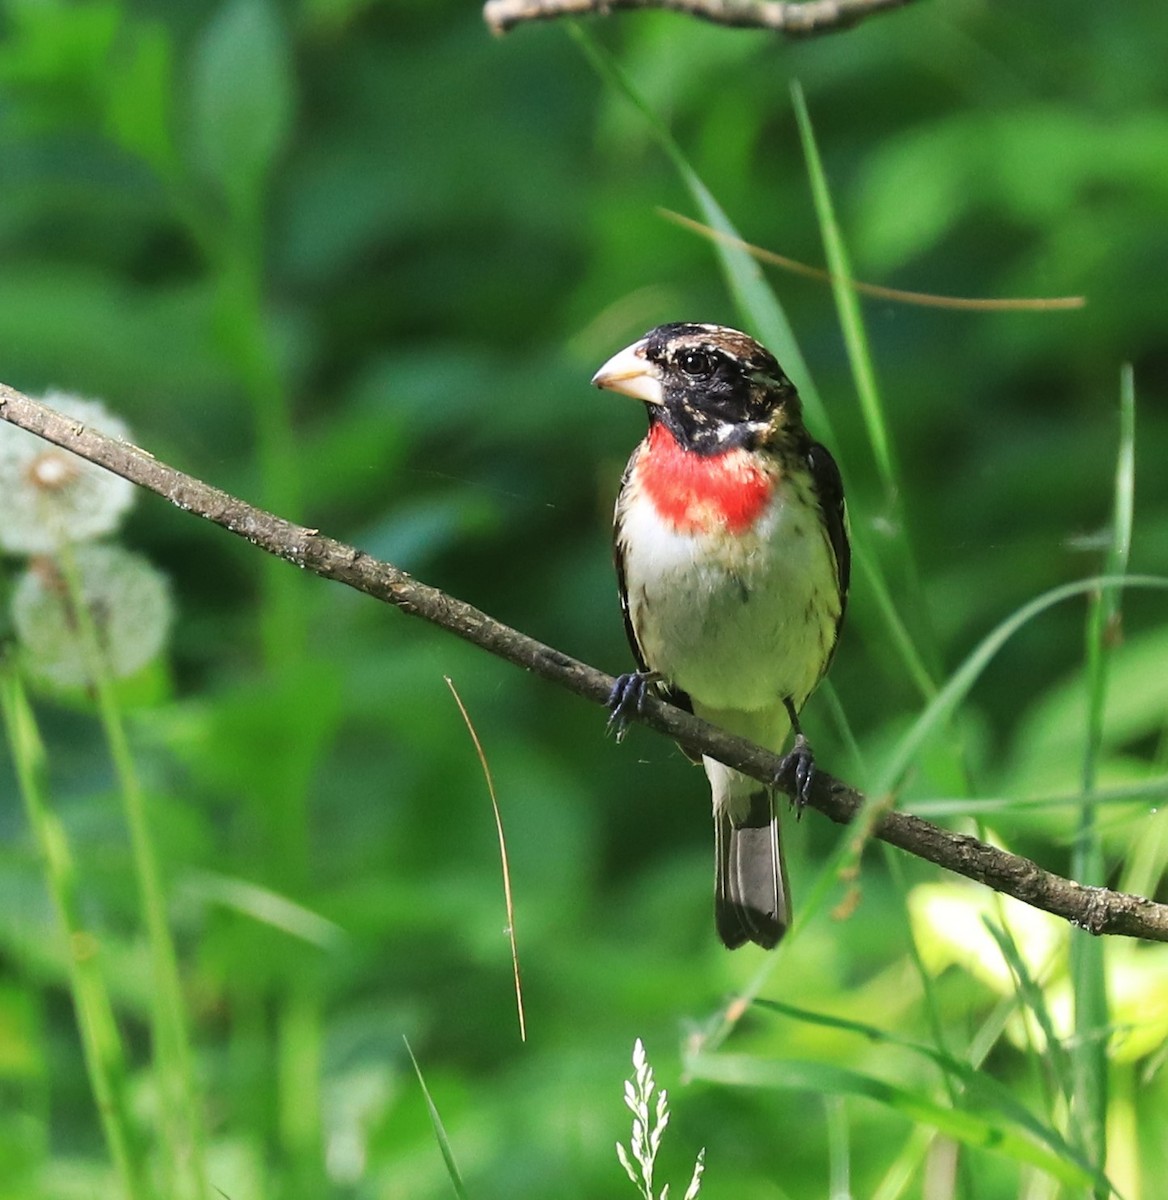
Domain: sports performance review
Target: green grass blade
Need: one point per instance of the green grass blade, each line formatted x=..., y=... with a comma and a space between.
x=851, y=320
x=266, y=906
x=1125, y=471
x=865, y=558
x=975, y=1130
x=1104, y=612
x=1148, y=857
x=181, y=1104
x=439, y=1129
x=838, y=1148
x=906, y=1168
x=962, y=680
x=934, y=716
x=978, y=1086
x=920, y=652
x=1054, y=1055
x=1088, y=966
x=933, y=1007
x=101, y=1044
x=847, y=302
x=952, y=806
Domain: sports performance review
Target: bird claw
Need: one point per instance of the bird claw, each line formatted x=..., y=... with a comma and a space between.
x=798, y=768
x=626, y=698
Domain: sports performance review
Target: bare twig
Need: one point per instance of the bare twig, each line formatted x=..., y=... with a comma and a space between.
x=794, y=20
x=1096, y=909
x=924, y=299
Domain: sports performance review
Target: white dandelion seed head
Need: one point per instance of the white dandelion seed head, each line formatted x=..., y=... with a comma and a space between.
x=48, y=495
x=128, y=601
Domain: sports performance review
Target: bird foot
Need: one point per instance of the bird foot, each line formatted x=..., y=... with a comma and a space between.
x=626, y=699
x=796, y=773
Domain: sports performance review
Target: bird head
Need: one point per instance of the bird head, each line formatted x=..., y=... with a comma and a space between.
x=715, y=388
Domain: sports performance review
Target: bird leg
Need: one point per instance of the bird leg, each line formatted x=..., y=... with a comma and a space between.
x=626, y=698
x=798, y=764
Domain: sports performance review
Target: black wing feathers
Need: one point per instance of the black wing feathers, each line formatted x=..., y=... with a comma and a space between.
x=829, y=490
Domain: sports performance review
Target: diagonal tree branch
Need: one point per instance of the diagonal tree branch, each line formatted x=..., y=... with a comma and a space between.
x=793, y=19
x=1096, y=909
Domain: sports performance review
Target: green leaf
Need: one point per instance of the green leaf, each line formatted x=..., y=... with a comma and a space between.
x=53, y=61
x=140, y=95
x=242, y=98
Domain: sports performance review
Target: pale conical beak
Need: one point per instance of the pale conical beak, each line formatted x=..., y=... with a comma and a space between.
x=630, y=372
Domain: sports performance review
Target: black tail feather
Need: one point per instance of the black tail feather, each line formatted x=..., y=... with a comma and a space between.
x=751, y=900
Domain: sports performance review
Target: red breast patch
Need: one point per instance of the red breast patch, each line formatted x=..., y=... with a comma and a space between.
x=701, y=492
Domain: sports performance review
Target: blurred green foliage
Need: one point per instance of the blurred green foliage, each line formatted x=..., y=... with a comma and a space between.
x=355, y=261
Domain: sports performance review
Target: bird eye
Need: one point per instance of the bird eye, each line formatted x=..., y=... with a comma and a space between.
x=696, y=363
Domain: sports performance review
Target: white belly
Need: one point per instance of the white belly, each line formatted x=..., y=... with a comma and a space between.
x=737, y=621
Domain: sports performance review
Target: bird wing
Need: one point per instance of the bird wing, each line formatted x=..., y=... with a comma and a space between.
x=829, y=490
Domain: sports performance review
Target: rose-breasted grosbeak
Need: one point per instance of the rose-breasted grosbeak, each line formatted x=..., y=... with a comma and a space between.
x=733, y=561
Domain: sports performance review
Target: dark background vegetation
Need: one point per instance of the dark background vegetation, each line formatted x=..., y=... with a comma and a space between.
x=356, y=262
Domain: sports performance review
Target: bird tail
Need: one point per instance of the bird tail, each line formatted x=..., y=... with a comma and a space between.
x=752, y=902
